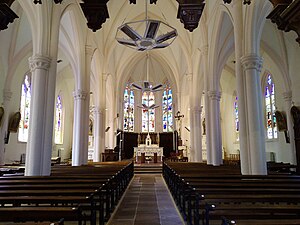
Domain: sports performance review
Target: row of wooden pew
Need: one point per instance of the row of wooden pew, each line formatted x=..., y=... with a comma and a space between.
x=87, y=194
x=212, y=195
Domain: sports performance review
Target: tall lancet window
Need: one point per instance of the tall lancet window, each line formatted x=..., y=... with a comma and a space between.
x=167, y=107
x=148, y=114
x=270, y=109
x=58, y=121
x=236, y=117
x=25, y=109
x=128, y=109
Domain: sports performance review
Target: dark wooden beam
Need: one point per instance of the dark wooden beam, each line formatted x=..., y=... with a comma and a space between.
x=40, y=1
x=286, y=15
x=96, y=13
x=6, y=15
x=189, y=13
x=8, y=2
x=134, y=1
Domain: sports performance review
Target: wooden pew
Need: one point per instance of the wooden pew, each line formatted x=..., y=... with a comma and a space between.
x=66, y=188
x=60, y=222
x=245, y=212
x=35, y=213
x=196, y=185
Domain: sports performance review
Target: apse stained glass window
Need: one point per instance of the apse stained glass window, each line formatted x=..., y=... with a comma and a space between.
x=236, y=117
x=25, y=109
x=58, y=121
x=128, y=109
x=148, y=113
x=270, y=109
x=167, y=108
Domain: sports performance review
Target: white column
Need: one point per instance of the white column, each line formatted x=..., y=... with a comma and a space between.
x=287, y=97
x=7, y=94
x=79, y=148
x=215, y=132
x=204, y=54
x=238, y=40
x=252, y=64
x=39, y=145
x=197, y=133
x=192, y=137
x=137, y=111
x=101, y=121
x=99, y=134
x=158, y=112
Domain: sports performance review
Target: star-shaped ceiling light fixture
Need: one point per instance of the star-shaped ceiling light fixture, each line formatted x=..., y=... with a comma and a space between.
x=146, y=34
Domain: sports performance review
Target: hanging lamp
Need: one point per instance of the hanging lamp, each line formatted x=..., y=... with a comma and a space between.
x=146, y=34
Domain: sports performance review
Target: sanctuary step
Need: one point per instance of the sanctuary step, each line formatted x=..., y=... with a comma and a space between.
x=148, y=168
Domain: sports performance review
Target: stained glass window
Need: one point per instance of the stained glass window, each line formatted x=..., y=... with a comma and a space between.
x=58, y=121
x=236, y=117
x=148, y=115
x=25, y=109
x=167, y=108
x=128, y=109
x=270, y=109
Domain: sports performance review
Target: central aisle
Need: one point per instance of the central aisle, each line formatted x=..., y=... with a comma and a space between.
x=147, y=201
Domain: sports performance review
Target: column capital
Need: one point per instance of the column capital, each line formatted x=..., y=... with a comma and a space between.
x=252, y=61
x=97, y=111
x=203, y=50
x=287, y=96
x=80, y=94
x=7, y=94
x=197, y=109
x=39, y=62
x=89, y=50
x=189, y=76
x=105, y=76
x=214, y=95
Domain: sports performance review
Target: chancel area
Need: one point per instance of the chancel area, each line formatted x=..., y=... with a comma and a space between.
x=204, y=93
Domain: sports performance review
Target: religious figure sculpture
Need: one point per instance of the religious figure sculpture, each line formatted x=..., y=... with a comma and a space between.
x=1, y=114
x=91, y=127
x=14, y=122
x=148, y=140
x=203, y=127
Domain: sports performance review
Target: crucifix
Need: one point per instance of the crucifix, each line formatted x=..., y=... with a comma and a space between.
x=178, y=117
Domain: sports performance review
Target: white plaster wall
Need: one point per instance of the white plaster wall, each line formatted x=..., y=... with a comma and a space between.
x=65, y=87
x=228, y=83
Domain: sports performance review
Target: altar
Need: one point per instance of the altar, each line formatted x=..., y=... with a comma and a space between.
x=148, y=152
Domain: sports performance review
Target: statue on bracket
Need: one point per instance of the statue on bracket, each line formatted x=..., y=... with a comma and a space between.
x=14, y=122
x=282, y=124
x=1, y=114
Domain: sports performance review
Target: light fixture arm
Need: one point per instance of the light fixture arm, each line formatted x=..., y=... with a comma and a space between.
x=147, y=64
x=146, y=10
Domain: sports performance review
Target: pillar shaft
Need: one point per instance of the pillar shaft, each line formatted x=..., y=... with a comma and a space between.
x=252, y=64
x=287, y=97
x=79, y=149
x=197, y=134
x=215, y=132
x=238, y=40
x=99, y=133
x=39, y=145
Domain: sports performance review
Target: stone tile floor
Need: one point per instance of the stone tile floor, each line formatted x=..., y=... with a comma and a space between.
x=147, y=201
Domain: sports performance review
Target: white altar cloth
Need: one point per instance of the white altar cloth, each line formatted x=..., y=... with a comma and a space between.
x=149, y=150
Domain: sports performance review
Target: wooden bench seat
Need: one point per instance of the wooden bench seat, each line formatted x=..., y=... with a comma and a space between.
x=236, y=196
x=61, y=222
x=280, y=221
x=89, y=188
x=28, y=213
x=244, y=212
